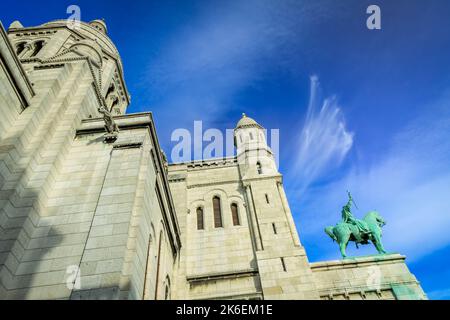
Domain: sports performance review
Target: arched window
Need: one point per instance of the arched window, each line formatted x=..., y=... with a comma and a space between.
x=258, y=167
x=217, y=212
x=167, y=289
x=200, y=225
x=235, y=214
x=147, y=267
x=167, y=293
x=20, y=47
x=37, y=47
x=158, y=264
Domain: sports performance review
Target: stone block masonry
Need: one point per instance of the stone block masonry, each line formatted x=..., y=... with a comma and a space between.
x=90, y=208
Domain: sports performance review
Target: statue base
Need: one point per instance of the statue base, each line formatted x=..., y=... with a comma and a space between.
x=374, y=277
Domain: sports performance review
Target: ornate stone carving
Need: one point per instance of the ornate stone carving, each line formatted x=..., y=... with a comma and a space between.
x=111, y=126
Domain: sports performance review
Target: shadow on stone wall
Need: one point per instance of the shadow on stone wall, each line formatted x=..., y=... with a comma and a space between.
x=28, y=270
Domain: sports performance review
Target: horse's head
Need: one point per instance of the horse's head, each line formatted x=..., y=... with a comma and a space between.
x=377, y=217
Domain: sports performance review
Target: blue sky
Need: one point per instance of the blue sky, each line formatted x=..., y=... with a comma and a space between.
x=373, y=105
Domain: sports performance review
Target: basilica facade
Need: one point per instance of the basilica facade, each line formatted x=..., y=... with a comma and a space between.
x=90, y=208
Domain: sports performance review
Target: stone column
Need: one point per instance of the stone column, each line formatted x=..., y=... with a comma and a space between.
x=288, y=214
x=253, y=220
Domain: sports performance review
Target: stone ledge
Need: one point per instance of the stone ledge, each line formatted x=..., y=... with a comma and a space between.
x=357, y=261
x=127, y=121
x=222, y=275
x=250, y=295
x=177, y=177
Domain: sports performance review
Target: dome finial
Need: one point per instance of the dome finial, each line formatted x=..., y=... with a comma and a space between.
x=247, y=122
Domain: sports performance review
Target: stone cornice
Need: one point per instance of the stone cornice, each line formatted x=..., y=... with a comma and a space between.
x=356, y=262
x=222, y=275
x=206, y=162
x=277, y=177
x=212, y=184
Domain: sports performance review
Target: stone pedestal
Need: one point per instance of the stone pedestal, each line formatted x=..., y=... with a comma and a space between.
x=376, y=277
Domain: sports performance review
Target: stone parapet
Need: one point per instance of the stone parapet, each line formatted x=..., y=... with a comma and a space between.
x=376, y=277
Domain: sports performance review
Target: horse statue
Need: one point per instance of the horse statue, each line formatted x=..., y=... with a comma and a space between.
x=359, y=231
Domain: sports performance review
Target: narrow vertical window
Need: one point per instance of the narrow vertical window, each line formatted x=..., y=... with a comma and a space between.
x=283, y=264
x=258, y=167
x=217, y=212
x=20, y=48
x=167, y=289
x=251, y=136
x=167, y=293
x=235, y=214
x=240, y=138
x=200, y=224
x=267, y=199
x=274, y=227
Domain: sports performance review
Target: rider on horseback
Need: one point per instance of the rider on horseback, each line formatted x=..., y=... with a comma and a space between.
x=347, y=217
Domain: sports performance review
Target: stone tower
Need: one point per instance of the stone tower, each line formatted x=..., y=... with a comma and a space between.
x=234, y=211
x=85, y=207
x=275, y=237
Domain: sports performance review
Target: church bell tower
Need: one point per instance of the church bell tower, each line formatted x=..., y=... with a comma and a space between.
x=282, y=262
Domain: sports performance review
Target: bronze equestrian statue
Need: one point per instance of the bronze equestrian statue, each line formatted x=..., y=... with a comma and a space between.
x=359, y=231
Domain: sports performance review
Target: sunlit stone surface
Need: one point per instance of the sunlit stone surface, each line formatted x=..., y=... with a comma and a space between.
x=89, y=209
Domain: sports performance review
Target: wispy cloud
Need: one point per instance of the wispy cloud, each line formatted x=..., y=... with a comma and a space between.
x=324, y=140
x=409, y=186
x=227, y=47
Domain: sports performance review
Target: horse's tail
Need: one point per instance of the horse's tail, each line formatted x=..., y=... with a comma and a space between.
x=329, y=231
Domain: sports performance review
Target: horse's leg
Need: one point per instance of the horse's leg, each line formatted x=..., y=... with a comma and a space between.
x=342, y=247
x=381, y=245
x=378, y=244
x=343, y=242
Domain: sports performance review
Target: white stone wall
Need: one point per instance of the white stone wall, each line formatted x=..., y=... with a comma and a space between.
x=70, y=200
x=378, y=277
x=216, y=262
x=237, y=261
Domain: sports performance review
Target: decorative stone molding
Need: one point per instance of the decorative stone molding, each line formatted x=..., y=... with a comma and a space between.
x=57, y=25
x=212, y=184
x=221, y=276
